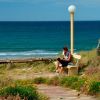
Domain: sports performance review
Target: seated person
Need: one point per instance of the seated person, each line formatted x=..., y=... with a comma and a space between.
x=61, y=63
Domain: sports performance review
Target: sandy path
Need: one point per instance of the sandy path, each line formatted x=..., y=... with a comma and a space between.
x=59, y=93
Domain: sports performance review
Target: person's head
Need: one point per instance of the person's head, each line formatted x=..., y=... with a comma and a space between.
x=65, y=49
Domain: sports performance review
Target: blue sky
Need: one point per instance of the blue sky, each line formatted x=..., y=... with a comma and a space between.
x=48, y=10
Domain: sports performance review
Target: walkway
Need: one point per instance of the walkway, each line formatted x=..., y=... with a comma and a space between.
x=59, y=93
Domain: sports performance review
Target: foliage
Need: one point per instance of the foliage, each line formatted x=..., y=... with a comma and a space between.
x=67, y=81
x=89, y=81
x=92, y=70
x=53, y=81
x=72, y=82
x=86, y=57
x=90, y=62
x=4, y=81
x=39, y=80
x=51, y=68
x=42, y=97
x=23, y=91
x=94, y=87
x=23, y=82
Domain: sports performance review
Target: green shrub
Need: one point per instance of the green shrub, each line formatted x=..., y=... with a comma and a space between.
x=5, y=81
x=23, y=82
x=78, y=84
x=92, y=70
x=42, y=97
x=52, y=68
x=29, y=92
x=94, y=87
x=53, y=81
x=39, y=80
x=68, y=81
x=72, y=82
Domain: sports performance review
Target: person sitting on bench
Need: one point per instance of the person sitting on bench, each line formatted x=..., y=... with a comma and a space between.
x=61, y=63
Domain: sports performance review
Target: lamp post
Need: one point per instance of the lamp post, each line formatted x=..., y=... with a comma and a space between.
x=71, y=9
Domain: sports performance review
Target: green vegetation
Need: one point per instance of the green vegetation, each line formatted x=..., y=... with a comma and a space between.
x=53, y=81
x=88, y=80
x=82, y=84
x=39, y=80
x=75, y=82
x=72, y=82
x=26, y=68
x=23, y=92
x=94, y=87
x=90, y=59
x=90, y=65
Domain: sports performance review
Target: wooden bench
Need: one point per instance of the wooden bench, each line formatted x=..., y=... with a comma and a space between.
x=73, y=68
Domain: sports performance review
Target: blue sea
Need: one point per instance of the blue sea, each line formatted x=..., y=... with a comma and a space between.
x=45, y=39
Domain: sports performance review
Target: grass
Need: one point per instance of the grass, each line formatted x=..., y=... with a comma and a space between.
x=22, y=69
x=39, y=80
x=74, y=82
x=35, y=67
x=89, y=60
x=94, y=87
x=22, y=92
x=88, y=80
x=83, y=84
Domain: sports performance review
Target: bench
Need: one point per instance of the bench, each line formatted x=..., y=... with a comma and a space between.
x=73, y=68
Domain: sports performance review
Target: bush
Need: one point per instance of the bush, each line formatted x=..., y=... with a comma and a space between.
x=68, y=81
x=72, y=82
x=53, y=81
x=39, y=80
x=5, y=81
x=95, y=61
x=29, y=92
x=52, y=68
x=94, y=87
x=23, y=82
x=43, y=97
x=92, y=70
x=78, y=84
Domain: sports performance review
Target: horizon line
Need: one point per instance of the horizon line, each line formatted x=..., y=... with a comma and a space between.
x=51, y=21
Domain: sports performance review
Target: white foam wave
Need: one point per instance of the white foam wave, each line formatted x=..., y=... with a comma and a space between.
x=29, y=53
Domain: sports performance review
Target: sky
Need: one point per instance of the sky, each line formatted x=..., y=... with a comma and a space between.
x=48, y=10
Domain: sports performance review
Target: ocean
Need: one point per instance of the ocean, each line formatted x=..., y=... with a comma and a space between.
x=45, y=39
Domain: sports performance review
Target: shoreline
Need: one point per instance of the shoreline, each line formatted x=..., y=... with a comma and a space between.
x=40, y=58
x=24, y=60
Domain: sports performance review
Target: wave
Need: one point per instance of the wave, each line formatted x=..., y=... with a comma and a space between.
x=33, y=53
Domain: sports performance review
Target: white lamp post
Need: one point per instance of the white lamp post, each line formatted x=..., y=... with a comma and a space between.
x=71, y=9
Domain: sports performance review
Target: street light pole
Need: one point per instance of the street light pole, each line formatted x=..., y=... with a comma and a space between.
x=71, y=9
